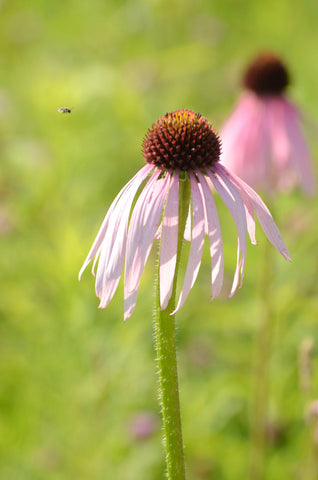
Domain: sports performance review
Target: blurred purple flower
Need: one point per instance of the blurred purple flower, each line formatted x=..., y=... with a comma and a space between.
x=181, y=145
x=262, y=141
x=142, y=425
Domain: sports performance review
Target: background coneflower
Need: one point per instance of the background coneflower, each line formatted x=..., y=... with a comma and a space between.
x=262, y=140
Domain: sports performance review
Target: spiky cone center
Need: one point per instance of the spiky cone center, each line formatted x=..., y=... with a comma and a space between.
x=266, y=75
x=181, y=140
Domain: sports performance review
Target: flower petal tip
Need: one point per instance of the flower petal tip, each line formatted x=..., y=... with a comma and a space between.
x=80, y=274
x=285, y=254
x=164, y=303
x=82, y=270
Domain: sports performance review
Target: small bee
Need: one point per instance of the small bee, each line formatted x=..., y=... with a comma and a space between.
x=64, y=110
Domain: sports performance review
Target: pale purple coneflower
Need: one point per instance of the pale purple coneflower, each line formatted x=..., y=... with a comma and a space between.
x=142, y=425
x=180, y=146
x=262, y=141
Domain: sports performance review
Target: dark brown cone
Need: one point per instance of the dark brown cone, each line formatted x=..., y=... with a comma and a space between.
x=181, y=140
x=266, y=75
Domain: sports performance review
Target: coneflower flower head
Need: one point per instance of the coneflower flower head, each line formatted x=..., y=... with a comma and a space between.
x=266, y=75
x=184, y=140
x=180, y=146
x=262, y=140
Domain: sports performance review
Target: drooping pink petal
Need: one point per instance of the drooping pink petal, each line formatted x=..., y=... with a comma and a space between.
x=300, y=153
x=137, y=179
x=234, y=130
x=213, y=230
x=169, y=242
x=255, y=154
x=142, y=229
x=263, y=214
x=244, y=149
x=158, y=233
x=95, y=263
x=249, y=208
x=280, y=143
x=241, y=211
x=233, y=201
x=197, y=243
x=113, y=245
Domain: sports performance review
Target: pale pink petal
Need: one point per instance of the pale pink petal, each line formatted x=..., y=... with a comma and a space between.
x=213, y=229
x=281, y=174
x=113, y=245
x=244, y=149
x=158, y=233
x=169, y=242
x=233, y=201
x=234, y=134
x=299, y=150
x=255, y=157
x=234, y=129
x=263, y=214
x=112, y=256
x=248, y=205
x=197, y=243
x=249, y=210
x=142, y=229
x=241, y=215
x=280, y=143
x=138, y=178
x=95, y=263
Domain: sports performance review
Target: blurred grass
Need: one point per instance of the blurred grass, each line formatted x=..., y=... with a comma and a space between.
x=72, y=376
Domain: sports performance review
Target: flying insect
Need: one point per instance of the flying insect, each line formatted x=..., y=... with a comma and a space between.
x=64, y=110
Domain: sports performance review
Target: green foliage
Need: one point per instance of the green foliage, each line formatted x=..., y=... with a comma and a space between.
x=73, y=377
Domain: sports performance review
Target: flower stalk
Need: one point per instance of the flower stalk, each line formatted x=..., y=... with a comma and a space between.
x=165, y=337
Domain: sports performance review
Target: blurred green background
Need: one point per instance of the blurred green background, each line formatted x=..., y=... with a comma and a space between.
x=74, y=380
